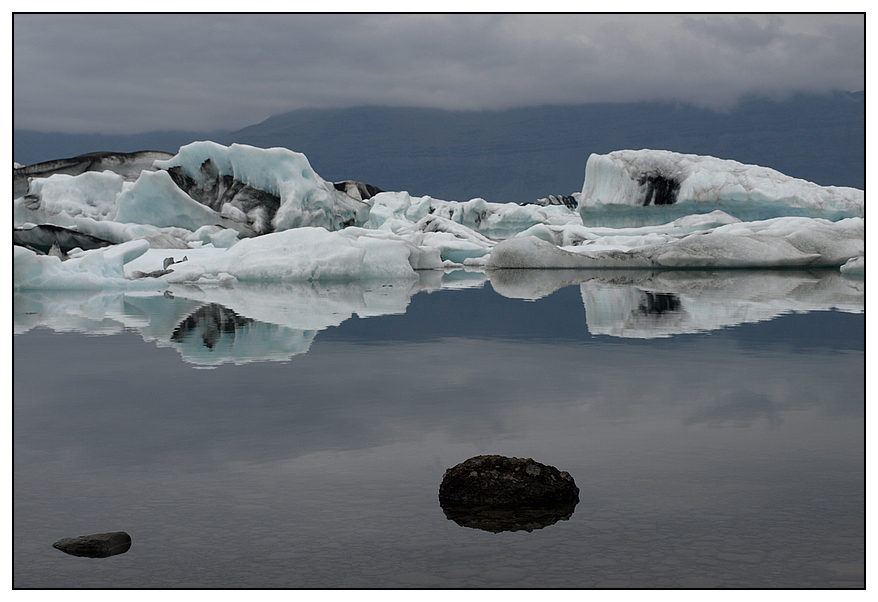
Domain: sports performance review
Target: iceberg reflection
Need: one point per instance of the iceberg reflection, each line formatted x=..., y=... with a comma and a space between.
x=649, y=304
x=214, y=325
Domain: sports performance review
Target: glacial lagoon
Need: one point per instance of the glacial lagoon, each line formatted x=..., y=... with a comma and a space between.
x=295, y=436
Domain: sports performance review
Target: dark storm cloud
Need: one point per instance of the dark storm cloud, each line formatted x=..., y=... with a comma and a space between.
x=130, y=73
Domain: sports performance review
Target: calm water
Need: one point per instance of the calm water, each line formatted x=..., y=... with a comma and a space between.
x=726, y=451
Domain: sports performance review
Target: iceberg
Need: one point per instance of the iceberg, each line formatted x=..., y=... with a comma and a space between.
x=775, y=243
x=244, y=214
x=273, y=185
x=127, y=165
x=89, y=270
x=642, y=187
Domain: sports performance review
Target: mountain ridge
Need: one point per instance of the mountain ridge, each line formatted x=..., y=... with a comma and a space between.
x=523, y=154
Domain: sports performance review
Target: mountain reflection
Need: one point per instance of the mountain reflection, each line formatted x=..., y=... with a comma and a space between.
x=213, y=325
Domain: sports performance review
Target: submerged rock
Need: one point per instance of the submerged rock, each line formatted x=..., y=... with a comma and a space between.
x=497, y=493
x=99, y=545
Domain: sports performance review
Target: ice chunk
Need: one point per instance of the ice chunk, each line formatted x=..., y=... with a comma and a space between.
x=92, y=194
x=388, y=206
x=649, y=186
x=127, y=165
x=95, y=269
x=305, y=198
x=495, y=220
x=154, y=199
x=854, y=267
x=309, y=254
x=780, y=242
x=531, y=252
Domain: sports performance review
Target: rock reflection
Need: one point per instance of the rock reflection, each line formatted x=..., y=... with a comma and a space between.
x=497, y=520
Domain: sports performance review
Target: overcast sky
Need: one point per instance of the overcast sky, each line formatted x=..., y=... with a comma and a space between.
x=137, y=73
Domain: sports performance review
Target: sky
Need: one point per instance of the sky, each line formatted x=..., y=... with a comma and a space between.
x=129, y=73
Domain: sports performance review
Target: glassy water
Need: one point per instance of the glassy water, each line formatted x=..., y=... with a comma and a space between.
x=296, y=436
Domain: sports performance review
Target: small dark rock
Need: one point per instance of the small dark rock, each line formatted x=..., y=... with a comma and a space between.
x=506, y=482
x=99, y=545
x=496, y=493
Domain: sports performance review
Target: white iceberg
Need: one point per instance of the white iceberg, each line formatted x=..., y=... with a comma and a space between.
x=249, y=214
x=90, y=270
x=91, y=194
x=643, y=187
x=305, y=198
x=779, y=242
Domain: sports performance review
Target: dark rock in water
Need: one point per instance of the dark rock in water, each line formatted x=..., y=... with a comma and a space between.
x=506, y=482
x=496, y=520
x=99, y=545
x=497, y=493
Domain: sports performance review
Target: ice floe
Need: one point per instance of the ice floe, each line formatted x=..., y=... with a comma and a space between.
x=264, y=215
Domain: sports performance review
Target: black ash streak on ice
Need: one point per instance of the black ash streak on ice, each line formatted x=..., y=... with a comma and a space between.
x=660, y=190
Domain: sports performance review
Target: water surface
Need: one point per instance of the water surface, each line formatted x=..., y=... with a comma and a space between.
x=717, y=438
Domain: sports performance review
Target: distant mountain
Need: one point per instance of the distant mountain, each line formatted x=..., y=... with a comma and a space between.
x=524, y=154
